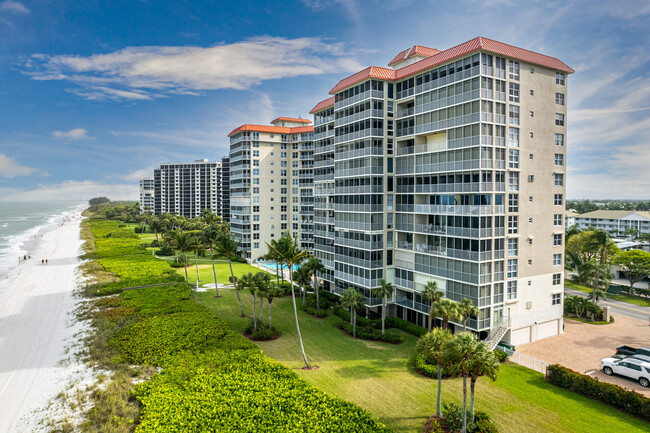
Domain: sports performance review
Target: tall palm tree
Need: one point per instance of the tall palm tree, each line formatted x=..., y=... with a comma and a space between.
x=303, y=278
x=210, y=235
x=263, y=283
x=271, y=292
x=446, y=309
x=605, y=248
x=314, y=265
x=353, y=300
x=466, y=308
x=155, y=225
x=433, y=345
x=209, y=217
x=247, y=281
x=270, y=256
x=288, y=252
x=482, y=363
x=228, y=247
x=433, y=295
x=197, y=247
x=183, y=243
x=384, y=290
x=460, y=352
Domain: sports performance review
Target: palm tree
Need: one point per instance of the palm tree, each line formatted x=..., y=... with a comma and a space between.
x=352, y=299
x=210, y=235
x=228, y=247
x=184, y=243
x=446, y=309
x=155, y=225
x=482, y=363
x=197, y=247
x=433, y=295
x=605, y=248
x=303, y=278
x=209, y=217
x=247, y=281
x=384, y=290
x=466, y=308
x=460, y=352
x=288, y=252
x=432, y=345
x=271, y=292
x=314, y=265
x=263, y=283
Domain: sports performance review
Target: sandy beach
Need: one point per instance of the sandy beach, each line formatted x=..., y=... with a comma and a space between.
x=36, y=325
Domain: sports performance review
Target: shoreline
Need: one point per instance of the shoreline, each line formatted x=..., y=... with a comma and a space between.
x=39, y=334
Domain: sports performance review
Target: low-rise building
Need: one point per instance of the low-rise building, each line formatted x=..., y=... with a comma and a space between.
x=615, y=222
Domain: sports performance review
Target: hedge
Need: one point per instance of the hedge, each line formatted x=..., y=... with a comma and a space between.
x=406, y=326
x=628, y=401
x=430, y=370
x=361, y=321
x=368, y=333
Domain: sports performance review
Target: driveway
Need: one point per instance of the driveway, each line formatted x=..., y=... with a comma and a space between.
x=582, y=346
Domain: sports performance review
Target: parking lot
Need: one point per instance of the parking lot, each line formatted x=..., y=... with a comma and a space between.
x=582, y=346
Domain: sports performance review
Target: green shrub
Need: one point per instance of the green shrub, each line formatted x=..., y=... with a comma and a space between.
x=406, y=326
x=310, y=306
x=453, y=415
x=483, y=426
x=368, y=333
x=501, y=355
x=150, y=340
x=262, y=333
x=139, y=230
x=433, y=426
x=320, y=313
x=165, y=251
x=361, y=321
x=333, y=298
x=430, y=370
x=628, y=401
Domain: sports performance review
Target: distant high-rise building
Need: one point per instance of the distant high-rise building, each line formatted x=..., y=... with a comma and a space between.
x=188, y=188
x=225, y=188
x=146, y=194
x=449, y=167
x=271, y=183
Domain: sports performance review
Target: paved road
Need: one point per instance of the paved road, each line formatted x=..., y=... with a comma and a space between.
x=618, y=307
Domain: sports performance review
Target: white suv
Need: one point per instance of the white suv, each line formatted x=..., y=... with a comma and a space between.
x=633, y=368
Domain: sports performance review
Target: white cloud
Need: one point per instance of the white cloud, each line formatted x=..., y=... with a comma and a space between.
x=135, y=175
x=13, y=7
x=9, y=167
x=146, y=72
x=72, y=190
x=75, y=134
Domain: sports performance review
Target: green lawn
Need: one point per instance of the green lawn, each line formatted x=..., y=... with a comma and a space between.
x=221, y=270
x=378, y=377
x=631, y=299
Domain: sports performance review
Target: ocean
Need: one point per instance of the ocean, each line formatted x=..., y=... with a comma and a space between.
x=22, y=222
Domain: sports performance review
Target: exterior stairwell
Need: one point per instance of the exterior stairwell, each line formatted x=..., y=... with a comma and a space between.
x=497, y=332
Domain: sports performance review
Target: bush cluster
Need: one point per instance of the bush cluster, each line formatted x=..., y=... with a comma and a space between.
x=361, y=321
x=369, y=333
x=501, y=355
x=430, y=370
x=453, y=417
x=628, y=401
x=636, y=291
x=262, y=333
x=310, y=306
x=406, y=326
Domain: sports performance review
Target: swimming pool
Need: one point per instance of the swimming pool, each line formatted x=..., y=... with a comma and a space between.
x=272, y=266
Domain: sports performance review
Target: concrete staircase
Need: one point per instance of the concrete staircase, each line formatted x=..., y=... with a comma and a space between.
x=498, y=332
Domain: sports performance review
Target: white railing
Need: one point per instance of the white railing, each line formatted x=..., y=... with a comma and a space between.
x=497, y=332
x=529, y=362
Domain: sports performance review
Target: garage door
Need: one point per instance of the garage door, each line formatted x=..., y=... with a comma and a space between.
x=520, y=336
x=547, y=329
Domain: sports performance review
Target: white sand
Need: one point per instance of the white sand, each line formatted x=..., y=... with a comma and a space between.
x=36, y=324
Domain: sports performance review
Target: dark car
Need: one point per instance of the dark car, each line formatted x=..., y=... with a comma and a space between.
x=624, y=352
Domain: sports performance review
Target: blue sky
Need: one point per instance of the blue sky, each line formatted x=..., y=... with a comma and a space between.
x=94, y=94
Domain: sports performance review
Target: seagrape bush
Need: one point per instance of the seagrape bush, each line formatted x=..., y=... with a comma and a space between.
x=228, y=391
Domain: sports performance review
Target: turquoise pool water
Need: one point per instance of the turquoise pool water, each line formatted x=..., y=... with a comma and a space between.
x=272, y=266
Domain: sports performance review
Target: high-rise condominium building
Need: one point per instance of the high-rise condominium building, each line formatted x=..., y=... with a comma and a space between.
x=188, y=188
x=146, y=194
x=225, y=188
x=271, y=184
x=448, y=167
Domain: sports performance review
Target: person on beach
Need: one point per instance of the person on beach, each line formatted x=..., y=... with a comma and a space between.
x=25, y=257
x=46, y=261
x=42, y=261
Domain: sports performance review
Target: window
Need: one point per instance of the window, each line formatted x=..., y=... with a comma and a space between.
x=256, y=244
x=557, y=199
x=531, y=135
x=512, y=268
x=512, y=247
x=513, y=202
x=557, y=219
x=557, y=279
x=559, y=78
x=256, y=236
x=532, y=92
x=283, y=226
x=256, y=162
x=559, y=119
x=283, y=154
x=513, y=158
x=557, y=259
x=559, y=99
x=511, y=292
x=256, y=172
x=513, y=224
x=531, y=178
x=532, y=70
x=530, y=198
x=513, y=137
x=556, y=298
x=256, y=190
x=513, y=181
x=559, y=179
x=532, y=114
x=557, y=239
x=559, y=139
x=514, y=114
x=513, y=69
x=513, y=92
x=559, y=159
x=256, y=217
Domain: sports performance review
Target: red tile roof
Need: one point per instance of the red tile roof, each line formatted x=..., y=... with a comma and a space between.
x=273, y=129
x=369, y=72
x=468, y=47
x=323, y=105
x=290, y=119
x=399, y=57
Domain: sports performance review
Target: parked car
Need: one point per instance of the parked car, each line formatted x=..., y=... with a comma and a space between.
x=629, y=367
x=642, y=358
x=645, y=351
x=624, y=351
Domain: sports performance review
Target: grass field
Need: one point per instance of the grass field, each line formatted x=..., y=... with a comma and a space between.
x=631, y=299
x=221, y=270
x=379, y=378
